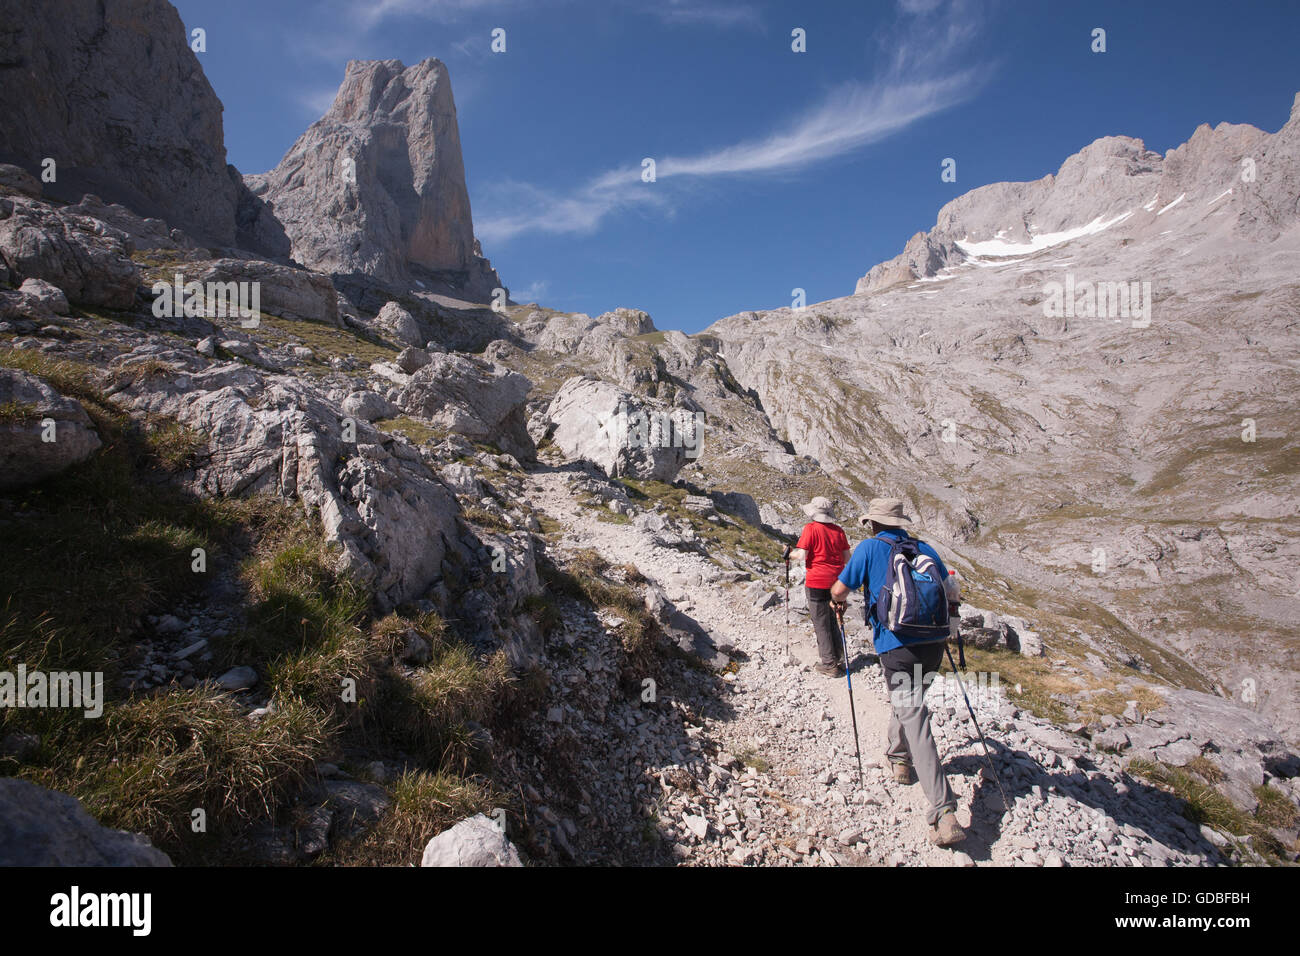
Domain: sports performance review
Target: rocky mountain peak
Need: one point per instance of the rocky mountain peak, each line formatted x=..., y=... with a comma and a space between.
x=1113, y=185
x=375, y=89
x=377, y=185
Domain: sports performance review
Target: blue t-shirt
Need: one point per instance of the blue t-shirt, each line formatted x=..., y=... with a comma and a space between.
x=869, y=565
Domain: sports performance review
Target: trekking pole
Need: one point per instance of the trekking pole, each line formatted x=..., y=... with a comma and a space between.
x=853, y=712
x=787, y=605
x=997, y=777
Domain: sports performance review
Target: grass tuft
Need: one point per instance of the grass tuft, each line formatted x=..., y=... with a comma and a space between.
x=1207, y=805
x=423, y=805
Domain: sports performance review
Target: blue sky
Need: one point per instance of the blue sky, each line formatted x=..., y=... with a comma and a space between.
x=775, y=169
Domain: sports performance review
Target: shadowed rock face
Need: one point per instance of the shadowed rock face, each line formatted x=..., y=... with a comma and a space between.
x=114, y=95
x=377, y=185
x=24, y=456
x=40, y=827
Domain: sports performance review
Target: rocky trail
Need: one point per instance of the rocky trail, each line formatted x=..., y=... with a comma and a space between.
x=795, y=798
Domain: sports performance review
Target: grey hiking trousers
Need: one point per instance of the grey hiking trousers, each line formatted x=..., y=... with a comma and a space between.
x=824, y=625
x=910, y=739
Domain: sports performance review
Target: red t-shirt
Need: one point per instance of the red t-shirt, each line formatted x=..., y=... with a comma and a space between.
x=824, y=546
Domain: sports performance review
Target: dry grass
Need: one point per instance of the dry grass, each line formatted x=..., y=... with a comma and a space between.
x=587, y=576
x=725, y=536
x=423, y=805
x=1040, y=686
x=86, y=554
x=417, y=432
x=18, y=413
x=1206, y=804
x=153, y=761
x=324, y=340
x=483, y=518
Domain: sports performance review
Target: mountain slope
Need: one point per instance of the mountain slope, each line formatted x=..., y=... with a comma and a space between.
x=1042, y=441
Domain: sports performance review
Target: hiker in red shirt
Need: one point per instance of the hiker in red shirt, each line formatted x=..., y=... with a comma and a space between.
x=824, y=548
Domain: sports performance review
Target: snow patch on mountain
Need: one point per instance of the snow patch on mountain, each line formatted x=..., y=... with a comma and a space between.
x=1000, y=247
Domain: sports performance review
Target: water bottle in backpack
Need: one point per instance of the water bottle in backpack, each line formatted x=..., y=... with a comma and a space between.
x=953, y=587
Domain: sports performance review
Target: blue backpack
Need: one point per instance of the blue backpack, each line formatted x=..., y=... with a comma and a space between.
x=912, y=602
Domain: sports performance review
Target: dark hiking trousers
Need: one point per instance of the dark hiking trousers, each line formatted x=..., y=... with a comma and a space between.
x=910, y=739
x=824, y=626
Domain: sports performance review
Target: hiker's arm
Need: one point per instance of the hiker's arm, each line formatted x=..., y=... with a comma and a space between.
x=799, y=551
x=852, y=577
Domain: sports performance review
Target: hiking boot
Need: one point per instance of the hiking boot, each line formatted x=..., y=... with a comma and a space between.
x=902, y=772
x=829, y=670
x=947, y=831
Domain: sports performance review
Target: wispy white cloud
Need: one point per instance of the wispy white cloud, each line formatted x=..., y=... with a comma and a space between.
x=347, y=29
x=532, y=292
x=443, y=11
x=317, y=102
x=715, y=13
x=852, y=116
x=917, y=7
x=475, y=46
x=706, y=13
x=915, y=85
x=533, y=209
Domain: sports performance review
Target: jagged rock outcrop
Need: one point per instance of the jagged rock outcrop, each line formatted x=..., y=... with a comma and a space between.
x=392, y=519
x=577, y=332
x=377, y=185
x=620, y=432
x=1231, y=736
x=34, y=299
x=1114, y=180
x=924, y=255
x=484, y=404
x=114, y=95
x=85, y=257
x=256, y=228
x=18, y=180
x=399, y=325
x=41, y=432
x=144, y=233
x=283, y=290
x=40, y=827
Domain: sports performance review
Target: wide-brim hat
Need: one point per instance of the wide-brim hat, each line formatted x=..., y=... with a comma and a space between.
x=819, y=509
x=886, y=511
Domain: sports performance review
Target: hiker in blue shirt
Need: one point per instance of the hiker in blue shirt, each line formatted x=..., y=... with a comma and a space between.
x=909, y=665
